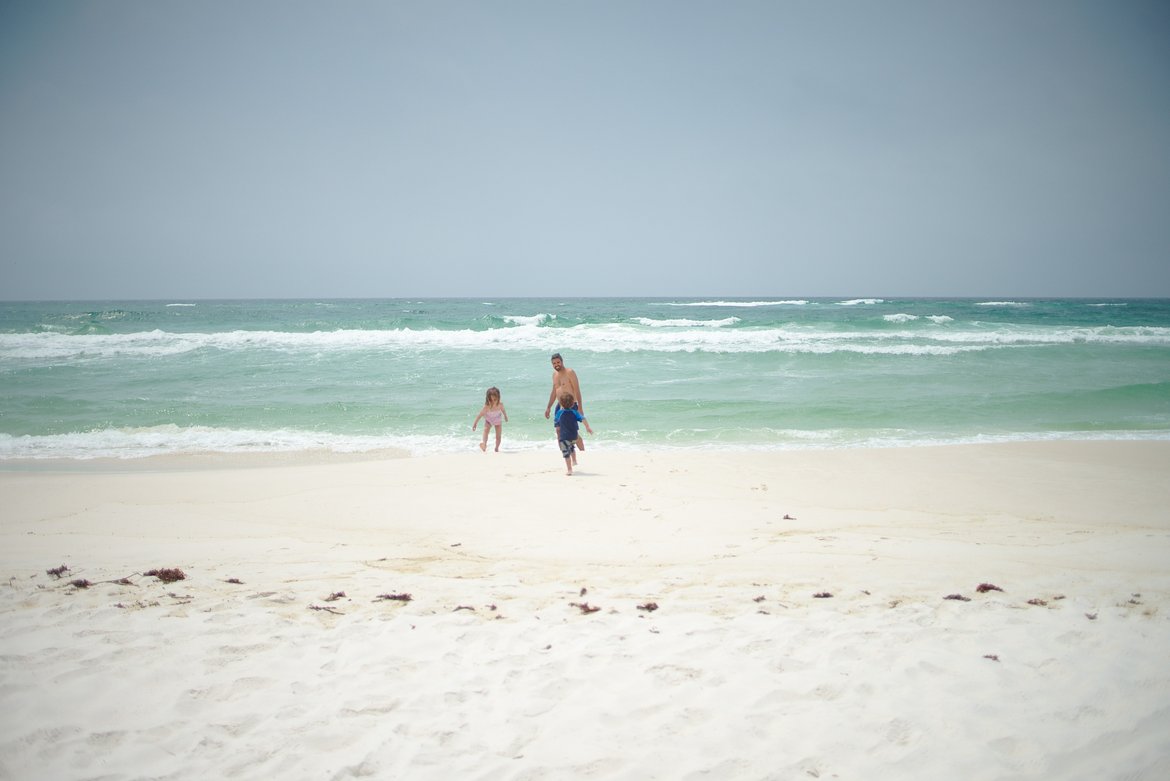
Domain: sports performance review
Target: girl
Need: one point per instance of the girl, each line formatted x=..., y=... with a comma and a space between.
x=493, y=410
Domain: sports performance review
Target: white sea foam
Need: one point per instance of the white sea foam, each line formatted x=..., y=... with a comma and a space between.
x=861, y=301
x=184, y=305
x=683, y=323
x=537, y=319
x=610, y=337
x=1003, y=303
x=736, y=303
x=169, y=440
x=132, y=443
x=903, y=317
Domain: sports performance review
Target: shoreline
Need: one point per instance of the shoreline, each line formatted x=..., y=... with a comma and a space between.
x=215, y=459
x=528, y=647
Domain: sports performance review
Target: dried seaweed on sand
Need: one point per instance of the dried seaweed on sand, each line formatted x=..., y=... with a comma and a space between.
x=327, y=609
x=166, y=575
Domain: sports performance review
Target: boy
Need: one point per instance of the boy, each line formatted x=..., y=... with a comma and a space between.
x=568, y=432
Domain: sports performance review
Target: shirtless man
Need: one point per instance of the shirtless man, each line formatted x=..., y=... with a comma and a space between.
x=564, y=380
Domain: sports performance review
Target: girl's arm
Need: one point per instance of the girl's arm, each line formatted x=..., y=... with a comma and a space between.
x=504, y=411
x=477, y=417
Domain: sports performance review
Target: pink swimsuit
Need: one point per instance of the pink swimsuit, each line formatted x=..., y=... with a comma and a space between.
x=493, y=417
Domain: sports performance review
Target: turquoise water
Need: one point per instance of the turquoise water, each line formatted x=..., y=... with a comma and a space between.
x=127, y=379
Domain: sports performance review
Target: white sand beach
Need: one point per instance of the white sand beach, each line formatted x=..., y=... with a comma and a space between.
x=802, y=627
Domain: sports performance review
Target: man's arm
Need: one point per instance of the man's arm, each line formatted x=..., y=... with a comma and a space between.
x=552, y=394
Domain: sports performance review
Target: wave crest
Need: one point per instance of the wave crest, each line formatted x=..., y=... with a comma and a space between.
x=737, y=303
x=660, y=336
x=537, y=319
x=683, y=323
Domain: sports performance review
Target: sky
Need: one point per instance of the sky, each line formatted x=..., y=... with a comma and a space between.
x=301, y=149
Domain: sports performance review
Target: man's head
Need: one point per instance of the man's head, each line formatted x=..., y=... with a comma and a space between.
x=558, y=362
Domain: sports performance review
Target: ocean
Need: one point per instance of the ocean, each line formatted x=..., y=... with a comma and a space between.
x=129, y=379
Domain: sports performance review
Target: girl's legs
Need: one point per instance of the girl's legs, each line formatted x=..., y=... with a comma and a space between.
x=498, y=433
x=486, y=427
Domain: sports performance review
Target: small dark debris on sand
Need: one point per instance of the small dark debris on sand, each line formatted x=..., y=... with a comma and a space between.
x=336, y=595
x=584, y=607
x=80, y=583
x=1037, y=602
x=822, y=595
x=166, y=575
x=983, y=588
x=327, y=609
x=1091, y=616
x=992, y=657
x=957, y=597
x=394, y=597
x=463, y=607
x=236, y=581
x=760, y=598
x=57, y=572
x=788, y=517
x=649, y=607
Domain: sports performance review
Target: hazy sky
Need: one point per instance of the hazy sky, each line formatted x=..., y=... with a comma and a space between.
x=224, y=148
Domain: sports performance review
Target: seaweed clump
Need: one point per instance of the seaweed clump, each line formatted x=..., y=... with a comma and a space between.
x=166, y=575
